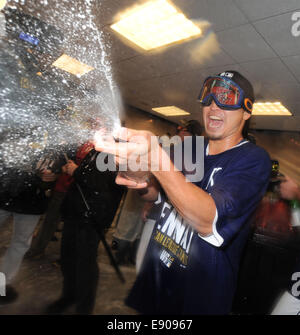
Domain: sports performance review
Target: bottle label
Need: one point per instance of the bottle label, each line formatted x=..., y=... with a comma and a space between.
x=295, y=222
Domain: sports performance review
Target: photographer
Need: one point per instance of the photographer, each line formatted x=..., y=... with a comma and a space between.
x=53, y=214
x=81, y=231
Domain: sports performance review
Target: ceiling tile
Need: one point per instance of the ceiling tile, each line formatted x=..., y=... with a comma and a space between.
x=221, y=58
x=293, y=63
x=189, y=57
x=294, y=108
x=288, y=94
x=136, y=69
x=222, y=14
x=269, y=71
x=277, y=32
x=168, y=61
x=115, y=48
x=258, y=9
x=185, y=58
x=107, y=11
x=272, y=81
x=244, y=44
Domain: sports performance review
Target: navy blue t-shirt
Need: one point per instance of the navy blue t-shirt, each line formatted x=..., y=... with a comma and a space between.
x=185, y=273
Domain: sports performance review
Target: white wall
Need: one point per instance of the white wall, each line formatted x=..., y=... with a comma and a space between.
x=138, y=119
x=283, y=146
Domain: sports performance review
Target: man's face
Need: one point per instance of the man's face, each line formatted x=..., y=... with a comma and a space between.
x=183, y=132
x=220, y=124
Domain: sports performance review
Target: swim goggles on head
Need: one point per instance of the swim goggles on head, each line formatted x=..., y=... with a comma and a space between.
x=226, y=94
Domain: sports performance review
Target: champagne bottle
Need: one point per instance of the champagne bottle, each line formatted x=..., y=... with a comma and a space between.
x=295, y=215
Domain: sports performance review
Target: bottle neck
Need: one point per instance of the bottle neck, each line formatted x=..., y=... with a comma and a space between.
x=295, y=204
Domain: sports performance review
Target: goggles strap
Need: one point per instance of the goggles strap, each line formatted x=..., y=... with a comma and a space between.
x=248, y=105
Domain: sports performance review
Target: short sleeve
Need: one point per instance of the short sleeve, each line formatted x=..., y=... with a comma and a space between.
x=236, y=193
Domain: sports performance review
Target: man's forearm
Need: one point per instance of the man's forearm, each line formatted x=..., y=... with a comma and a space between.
x=196, y=206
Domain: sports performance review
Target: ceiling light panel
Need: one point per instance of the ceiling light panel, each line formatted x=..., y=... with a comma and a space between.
x=270, y=108
x=154, y=24
x=170, y=111
x=72, y=65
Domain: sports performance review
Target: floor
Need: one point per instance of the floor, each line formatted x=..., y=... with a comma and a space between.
x=39, y=281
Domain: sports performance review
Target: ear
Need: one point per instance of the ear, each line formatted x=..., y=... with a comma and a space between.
x=246, y=116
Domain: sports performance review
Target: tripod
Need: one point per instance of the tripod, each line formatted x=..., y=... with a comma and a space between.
x=102, y=237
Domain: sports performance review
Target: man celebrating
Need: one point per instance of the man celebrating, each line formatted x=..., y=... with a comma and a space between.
x=192, y=260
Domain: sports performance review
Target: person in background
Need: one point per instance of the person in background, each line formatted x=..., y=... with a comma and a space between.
x=53, y=214
x=23, y=197
x=289, y=301
x=50, y=223
x=128, y=231
x=289, y=189
x=81, y=231
x=191, y=128
x=272, y=215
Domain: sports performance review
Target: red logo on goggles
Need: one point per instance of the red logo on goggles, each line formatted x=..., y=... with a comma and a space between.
x=225, y=93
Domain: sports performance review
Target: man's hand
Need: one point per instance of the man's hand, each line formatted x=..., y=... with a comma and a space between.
x=135, y=152
x=141, y=148
x=137, y=149
x=122, y=180
x=70, y=167
x=48, y=176
x=289, y=189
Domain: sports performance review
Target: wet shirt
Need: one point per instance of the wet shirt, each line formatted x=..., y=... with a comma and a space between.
x=185, y=273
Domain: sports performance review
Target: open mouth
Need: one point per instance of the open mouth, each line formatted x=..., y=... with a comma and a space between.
x=215, y=121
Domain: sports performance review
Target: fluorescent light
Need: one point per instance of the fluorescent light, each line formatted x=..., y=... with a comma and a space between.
x=72, y=65
x=270, y=108
x=155, y=24
x=2, y=4
x=170, y=111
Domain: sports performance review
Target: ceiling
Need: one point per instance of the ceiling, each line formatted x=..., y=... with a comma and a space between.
x=253, y=37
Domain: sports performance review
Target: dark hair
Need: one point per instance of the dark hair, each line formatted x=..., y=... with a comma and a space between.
x=246, y=134
x=246, y=128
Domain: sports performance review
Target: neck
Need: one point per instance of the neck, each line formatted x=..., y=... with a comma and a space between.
x=219, y=146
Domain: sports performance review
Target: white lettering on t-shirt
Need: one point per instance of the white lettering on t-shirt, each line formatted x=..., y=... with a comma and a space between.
x=211, y=178
x=177, y=229
x=164, y=211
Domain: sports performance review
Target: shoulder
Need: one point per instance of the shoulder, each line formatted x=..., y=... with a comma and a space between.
x=253, y=159
x=252, y=151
